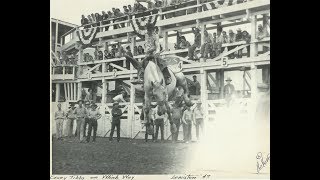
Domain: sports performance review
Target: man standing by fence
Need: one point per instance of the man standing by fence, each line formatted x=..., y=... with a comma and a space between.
x=116, y=116
x=59, y=116
x=93, y=116
x=71, y=117
x=81, y=114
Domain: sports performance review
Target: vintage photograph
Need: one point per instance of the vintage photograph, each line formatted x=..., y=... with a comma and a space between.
x=160, y=89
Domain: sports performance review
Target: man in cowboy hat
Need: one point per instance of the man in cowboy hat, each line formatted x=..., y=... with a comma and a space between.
x=187, y=120
x=59, y=117
x=71, y=117
x=116, y=116
x=86, y=120
x=93, y=116
x=152, y=48
x=228, y=90
x=81, y=114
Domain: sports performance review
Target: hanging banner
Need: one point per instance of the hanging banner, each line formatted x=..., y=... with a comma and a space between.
x=139, y=25
x=87, y=35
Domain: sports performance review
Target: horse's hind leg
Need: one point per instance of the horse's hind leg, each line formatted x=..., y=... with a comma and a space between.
x=181, y=81
x=147, y=104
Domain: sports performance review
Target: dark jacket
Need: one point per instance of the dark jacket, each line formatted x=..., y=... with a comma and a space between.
x=116, y=115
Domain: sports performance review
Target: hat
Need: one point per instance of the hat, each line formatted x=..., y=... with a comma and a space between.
x=238, y=29
x=94, y=105
x=80, y=101
x=229, y=79
x=115, y=103
x=87, y=103
x=230, y=31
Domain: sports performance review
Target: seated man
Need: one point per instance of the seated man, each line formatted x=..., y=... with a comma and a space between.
x=197, y=43
x=206, y=47
x=152, y=53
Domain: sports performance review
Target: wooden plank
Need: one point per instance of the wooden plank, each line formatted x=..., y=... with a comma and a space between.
x=118, y=67
x=72, y=90
x=91, y=69
x=65, y=91
x=229, y=52
x=57, y=92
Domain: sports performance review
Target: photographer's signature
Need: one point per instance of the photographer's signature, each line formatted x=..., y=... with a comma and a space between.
x=261, y=162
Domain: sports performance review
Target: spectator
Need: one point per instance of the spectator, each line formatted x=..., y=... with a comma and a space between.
x=206, y=47
x=192, y=10
x=104, y=19
x=59, y=116
x=176, y=118
x=100, y=55
x=116, y=116
x=96, y=50
x=98, y=19
x=149, y=125
x=135, y=51
x=228, y=90
x=184, y=44
x=93, y=116
x=262, y=32
x=86, y=120
x=121, y=16
x=130, y=9
x=225, y=37
x=80, y=113
x=214, y=45
x=195, y=86
x=159, y=122
x=197, y=43
x=113, y=50
x=158, y=4
x=126, y=11
x=231, y=39
x=220, y=41
x=187, y=119
x=120, y=97
x=71, y=117
x=128, y=51
x=140, y=50
x=90, y=19
x=83, y=94
x=84, y=22
x=198, y=112
x=239, y=35
x=91, y=97
x=246, y=37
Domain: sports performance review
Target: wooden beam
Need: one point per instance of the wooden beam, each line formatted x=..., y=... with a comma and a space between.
x=165, y=41
x=91, y=69
x=254, y=82
x=204, y=93
x=118, y=67
x=71, y=91
x=79, y=90
x=57, y=92
x=56, y=36
x=229, y=52
x=104, y=91
x=253, y=46
x=65, y=91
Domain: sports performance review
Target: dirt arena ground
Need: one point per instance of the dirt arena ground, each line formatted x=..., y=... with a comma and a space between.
x=126, y=157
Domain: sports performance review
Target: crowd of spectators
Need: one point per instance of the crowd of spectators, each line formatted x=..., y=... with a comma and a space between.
x=212, y=45
x=139, y=10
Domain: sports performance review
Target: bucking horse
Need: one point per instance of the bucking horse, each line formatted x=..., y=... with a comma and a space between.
x=155, y=87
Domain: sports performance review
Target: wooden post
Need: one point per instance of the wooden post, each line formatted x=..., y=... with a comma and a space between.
x=71, y=89
x=131, y=113
x=221, y=82
x=203, y=28
x=75, y=91
x=204, y=93
x=265, y=74
x=104, y=91
x=79, y=90
x=56, y=36
x=253, y=46
x=244, y=82
x=65, y=91
x=254, y=82
x=57, y=92
x=166, y=41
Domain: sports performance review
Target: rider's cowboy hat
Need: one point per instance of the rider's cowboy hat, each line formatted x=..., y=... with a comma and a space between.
x=229, y=79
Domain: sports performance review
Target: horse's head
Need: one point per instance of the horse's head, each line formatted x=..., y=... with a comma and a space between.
x=159, y=92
